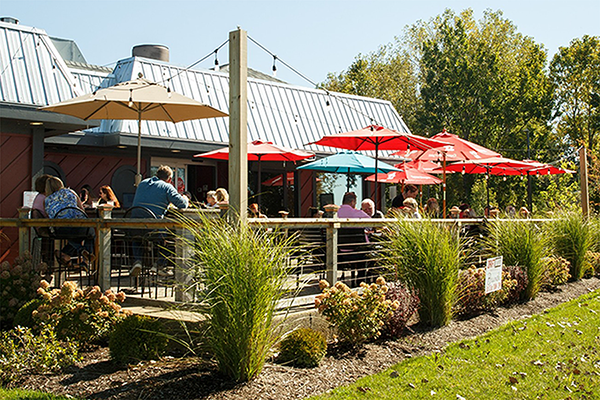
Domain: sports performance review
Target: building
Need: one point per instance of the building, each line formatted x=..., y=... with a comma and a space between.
x=38, y=70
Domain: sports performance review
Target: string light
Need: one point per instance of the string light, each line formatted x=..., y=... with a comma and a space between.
x=463, y=170
x=274, y=66
x=130, y=98
x=216, y=60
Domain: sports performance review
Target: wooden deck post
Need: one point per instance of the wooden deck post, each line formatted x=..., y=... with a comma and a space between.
x=23, y=232
x=585, y=197
x=183, y=253
x=331, y=252
x=103, y=248
x=238, y=125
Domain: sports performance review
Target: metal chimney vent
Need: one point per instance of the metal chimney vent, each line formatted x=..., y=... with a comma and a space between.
x=153, y=51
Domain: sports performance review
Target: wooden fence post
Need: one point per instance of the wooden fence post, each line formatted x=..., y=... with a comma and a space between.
x=103, y=248
x=23, y=231
x=331, y=252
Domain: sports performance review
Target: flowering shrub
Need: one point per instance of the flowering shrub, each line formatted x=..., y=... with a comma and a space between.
x=519, y=275
x=472, y=297
x=556, y=272
x=357, y=316
x=22, y=352
x=82, y=315
x=303, y=347
x=18, y=285
x=408, y=304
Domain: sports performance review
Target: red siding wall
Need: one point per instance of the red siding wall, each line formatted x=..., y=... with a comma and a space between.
x=306, y=192
x=95, y=170
x=15, y=178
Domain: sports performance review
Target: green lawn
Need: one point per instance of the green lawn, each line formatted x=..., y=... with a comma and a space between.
x=555, y=355
x=18, y=394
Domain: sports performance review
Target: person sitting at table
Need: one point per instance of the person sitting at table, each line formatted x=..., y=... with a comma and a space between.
x=154, y=194
x=348, y=207
x=411, y=208
x=211, y=200
x=368, y=206
x=38, y=201
x=432, y=208
x=254, y=212
x=59, y=198
x=86, y=196
x=222, y=195
x=107, y=196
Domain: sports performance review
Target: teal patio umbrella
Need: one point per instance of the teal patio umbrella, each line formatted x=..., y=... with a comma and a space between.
x=349, y=162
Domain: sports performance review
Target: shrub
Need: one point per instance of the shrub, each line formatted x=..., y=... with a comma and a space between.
x=243, y=272
x=85, y=316
x=426, y=257
x=357, y=315
x=18, y=285
x=303, y=348
x=24, y=316
x=522, y=243
x=556, y=272
x=137, y=338
x=408, y=304
x=520, y=282
x=593, y=259
x=22, y=353
x=472, y=298
x=571, y=239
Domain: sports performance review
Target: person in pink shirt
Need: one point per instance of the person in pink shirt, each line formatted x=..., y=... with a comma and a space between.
x=38, y=201
x=348, y=208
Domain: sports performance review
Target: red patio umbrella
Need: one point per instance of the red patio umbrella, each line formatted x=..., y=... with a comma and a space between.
x=547, y=169
x=261, y=151
x=461, y=150
x=408, y=176
x=420, y=165
x=374, y=137
x=492, y=166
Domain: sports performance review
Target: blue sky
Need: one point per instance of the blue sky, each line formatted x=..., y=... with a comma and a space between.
x=315, y=37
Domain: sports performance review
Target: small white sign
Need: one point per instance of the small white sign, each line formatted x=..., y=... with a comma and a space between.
x=493, y=274
x=28, y=197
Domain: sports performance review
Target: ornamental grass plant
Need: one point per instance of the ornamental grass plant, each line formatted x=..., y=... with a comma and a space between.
x=521, y=243
x=242, y=272
x=571, y=238
x=426, y=256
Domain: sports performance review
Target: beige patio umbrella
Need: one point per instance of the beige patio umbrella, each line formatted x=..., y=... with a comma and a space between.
x=138, y=100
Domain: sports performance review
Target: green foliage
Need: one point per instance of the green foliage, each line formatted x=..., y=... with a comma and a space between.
x=358, y=316
x=556, y=272
x=522, y=243
x=19, y=394
x=303, y=348
x=85, y=316
x=407, y=302
x=571, y=239
x=426, y=257
x=593, y=259
x=22, y=353
x=24, y=316
x=550, y=356
x=575, y=71
x=242, y=271
x=18, y=285
x=558, y=194
x=472, y=298
x=137, y=338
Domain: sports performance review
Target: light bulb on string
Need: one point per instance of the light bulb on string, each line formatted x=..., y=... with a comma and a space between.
x=216, y=61
x=130, y=104
x=463, y=171
x=274, y=66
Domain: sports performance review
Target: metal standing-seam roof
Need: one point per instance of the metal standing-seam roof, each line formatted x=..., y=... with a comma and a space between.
x=33, y=72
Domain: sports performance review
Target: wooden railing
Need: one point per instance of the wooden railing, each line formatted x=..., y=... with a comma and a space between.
x=105, y=223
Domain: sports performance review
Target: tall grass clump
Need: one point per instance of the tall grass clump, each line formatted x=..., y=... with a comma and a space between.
x=522, y=243
x=571, y=239
x=426, y=257
x=595, y=233
x=242, y=271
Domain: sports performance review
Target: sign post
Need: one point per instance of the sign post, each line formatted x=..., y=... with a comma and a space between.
x=493, y=274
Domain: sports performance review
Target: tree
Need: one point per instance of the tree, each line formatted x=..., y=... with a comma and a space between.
x=575, y=71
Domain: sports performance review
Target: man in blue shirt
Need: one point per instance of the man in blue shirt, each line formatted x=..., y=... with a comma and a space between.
x=154, y=194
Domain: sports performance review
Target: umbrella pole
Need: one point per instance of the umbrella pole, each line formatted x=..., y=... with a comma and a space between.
x=444, y=182
x=138, y=176
x=376, y=176
x=487, y=187
x=259, y=185
x=348, y=181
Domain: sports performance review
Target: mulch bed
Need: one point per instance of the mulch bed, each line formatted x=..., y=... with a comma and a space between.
x=192, y=378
